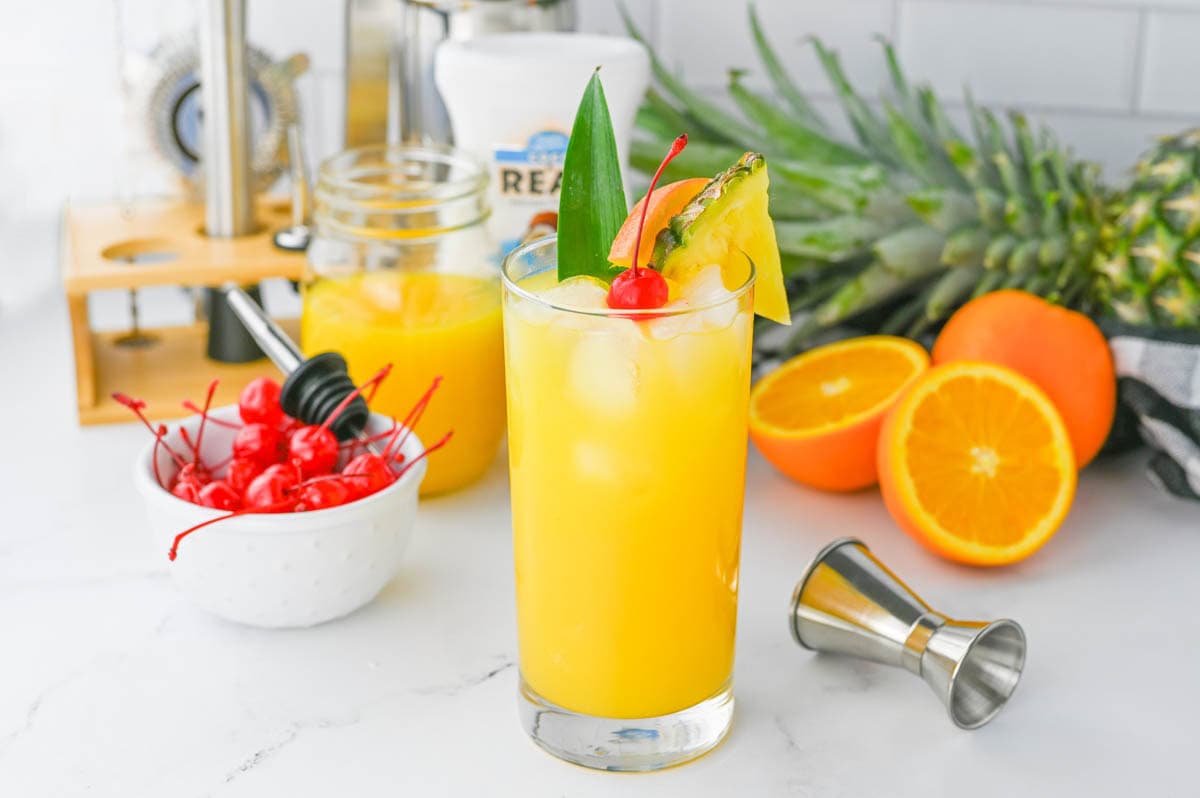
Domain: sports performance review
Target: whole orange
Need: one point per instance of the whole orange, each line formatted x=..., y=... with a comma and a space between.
x=1061, y=351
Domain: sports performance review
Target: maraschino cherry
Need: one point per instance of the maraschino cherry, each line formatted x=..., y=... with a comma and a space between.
x=644, y=288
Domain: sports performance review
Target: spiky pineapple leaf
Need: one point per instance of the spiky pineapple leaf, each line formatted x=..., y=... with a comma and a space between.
x=714, y=120
x=965, y=247
x=836, y=239
x=871, y=133
x=647, y=118
x=844, y=188
x=942, y=208
x=783, y=83
x=794, y=138
x=910, y=252
x=674, y=120
x=958, y=215
x=950, y=289
x=999, y=249
x=990, y=282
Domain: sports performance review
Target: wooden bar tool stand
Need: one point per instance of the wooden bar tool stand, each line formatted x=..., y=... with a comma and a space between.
x=160, y=242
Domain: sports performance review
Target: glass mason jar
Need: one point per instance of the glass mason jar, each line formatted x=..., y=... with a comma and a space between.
x=627, y=456
x=401, y=271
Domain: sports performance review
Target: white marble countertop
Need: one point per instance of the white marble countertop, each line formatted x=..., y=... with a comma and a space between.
x=112, y=685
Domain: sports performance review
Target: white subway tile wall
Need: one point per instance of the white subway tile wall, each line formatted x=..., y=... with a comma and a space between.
x=1170, y=64
x=1014, y=53
x=717, y=38
x=1107, y=75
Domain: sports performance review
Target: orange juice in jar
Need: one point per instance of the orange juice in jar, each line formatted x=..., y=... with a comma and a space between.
x=401, y=273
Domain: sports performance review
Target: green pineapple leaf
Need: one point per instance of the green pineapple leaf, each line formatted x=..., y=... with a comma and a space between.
x=591, y=204
x=935, y=115
x=674, y=120
x=710, y=117
x=950, y=289
x=867, y=127
x=836, y=239
x=940, y=212
x=787, y=89
x=795, y=139
x=942, y=209
x=990, y=282
x=843, y=188
x=909, y=144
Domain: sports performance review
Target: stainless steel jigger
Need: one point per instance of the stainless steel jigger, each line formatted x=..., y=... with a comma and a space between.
x=848, y=602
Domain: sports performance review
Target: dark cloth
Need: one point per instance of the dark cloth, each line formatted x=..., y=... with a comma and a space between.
x=1158, y=384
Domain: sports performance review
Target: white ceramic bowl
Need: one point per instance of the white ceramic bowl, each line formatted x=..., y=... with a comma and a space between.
x=285, y=569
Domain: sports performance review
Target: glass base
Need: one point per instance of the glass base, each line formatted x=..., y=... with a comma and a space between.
x=627, y=744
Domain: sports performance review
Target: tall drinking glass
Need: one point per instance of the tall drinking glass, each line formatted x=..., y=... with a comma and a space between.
x=627, y=455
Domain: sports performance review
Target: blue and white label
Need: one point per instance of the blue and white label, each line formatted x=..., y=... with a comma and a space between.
x=534, y=172
x=525, y=182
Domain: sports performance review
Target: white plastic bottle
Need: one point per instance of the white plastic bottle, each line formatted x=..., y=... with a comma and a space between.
x=512, y=98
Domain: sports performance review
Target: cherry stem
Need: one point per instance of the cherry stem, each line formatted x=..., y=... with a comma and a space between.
x=162, y=430
x=290, y=501
x=331, y=477
x=676, y=148
x=188, y=442
x=223, y=464
x=428, y=451
x=270, y=508
x=372, y=383
x=212, y=389
x=137, y=405
x=354, y=443
x=174, y=550
x=188, y=404
x=400, y=436
x=369, y=396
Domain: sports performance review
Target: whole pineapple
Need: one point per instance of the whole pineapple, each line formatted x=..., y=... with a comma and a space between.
x=899, y=229
x=1148, y=268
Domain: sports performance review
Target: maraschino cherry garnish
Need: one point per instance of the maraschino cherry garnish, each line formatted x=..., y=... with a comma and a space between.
x=644, y=288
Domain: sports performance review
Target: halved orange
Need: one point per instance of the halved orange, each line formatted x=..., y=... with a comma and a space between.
x=976, y=463
x=817, y=417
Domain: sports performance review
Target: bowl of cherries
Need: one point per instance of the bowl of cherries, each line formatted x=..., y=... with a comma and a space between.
x=274, y=523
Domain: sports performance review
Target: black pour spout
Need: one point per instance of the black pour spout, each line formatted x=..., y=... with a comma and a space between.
x=315, y=386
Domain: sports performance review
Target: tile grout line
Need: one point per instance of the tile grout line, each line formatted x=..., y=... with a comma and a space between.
x=896, y=23
x=1084, y=6
x=656, y=13
x=1139, y=61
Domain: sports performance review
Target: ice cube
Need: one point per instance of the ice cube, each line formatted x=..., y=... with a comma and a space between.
x=670, y=325
x=584, y=294
x=594, y=461
x=384, y=290
x=614, y=463
x=707, y=290
x=577, y=293
x=604, y=372
x=705, y=286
